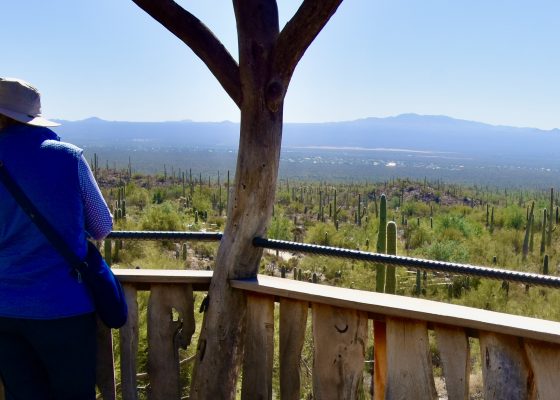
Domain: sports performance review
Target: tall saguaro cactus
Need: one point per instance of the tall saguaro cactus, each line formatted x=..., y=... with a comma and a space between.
x=528, y=232
x=391, y=276
x=381, y=243
x=543, y=232
x=550, y=219
x=257, y=84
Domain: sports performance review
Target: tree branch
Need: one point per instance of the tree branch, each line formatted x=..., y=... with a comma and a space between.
x=191, y=31
x=292, y=43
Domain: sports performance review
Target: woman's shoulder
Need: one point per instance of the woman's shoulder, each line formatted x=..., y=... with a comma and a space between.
x=56, y=145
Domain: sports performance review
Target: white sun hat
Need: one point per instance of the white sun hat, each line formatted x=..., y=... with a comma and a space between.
x=22, y=102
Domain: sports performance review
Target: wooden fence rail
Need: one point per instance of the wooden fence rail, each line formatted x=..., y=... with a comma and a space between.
x=520, y=356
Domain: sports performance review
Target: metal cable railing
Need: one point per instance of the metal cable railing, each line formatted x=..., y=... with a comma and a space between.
x=427, y=265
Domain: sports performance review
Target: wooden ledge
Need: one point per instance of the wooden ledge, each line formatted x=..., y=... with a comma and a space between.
x=405, y=307
x=199, y=278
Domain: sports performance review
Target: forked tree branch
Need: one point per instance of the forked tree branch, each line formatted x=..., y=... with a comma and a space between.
x=294, y=40
x=200, y=39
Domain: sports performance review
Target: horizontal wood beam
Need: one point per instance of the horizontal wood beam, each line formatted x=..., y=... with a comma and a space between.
x=405, y=307
x=142, y=278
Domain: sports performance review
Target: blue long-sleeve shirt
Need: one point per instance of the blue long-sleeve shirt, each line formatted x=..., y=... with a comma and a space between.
x=98, y=219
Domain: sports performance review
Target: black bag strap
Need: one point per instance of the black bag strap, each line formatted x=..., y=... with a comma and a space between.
x=55, y=238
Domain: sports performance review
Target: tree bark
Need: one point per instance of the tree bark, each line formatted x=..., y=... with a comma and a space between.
x=221, y=339
x=258, y=86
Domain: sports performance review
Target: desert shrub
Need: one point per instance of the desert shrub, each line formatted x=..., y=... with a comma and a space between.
x=294, y=208
x=280, y=228
x=137, y=196
x=158, y=196
x=452, y=227
x=416, y=209
x=130, y=253
x=215, y=222
x=201, y=202
x=418, y=236
x=283, y=197
x=514, y=217
x=205, y=249
x=344, y=216
x=322, y=233
x=393, y=203
x=351, y=237
x=511, y=241
x=447, y=250
x=162, y=217
x=489, y=295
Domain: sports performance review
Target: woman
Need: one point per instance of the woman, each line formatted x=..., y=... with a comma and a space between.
x=47, y=321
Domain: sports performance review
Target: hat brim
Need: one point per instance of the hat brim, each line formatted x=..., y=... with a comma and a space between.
x=28, y=119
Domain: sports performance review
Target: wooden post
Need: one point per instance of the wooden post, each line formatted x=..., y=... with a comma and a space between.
x=544, y=359
x=504, y=368
x=107, y=251
x=340, y=337
x=293, y=320
x=2, y=395
x=166, y=335
x=380, y=359
x=129, y=346
x=409, y=368
x=259, y=348
x=453, y=346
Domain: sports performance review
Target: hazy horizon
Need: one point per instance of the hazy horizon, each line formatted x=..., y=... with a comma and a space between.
x=93, y=117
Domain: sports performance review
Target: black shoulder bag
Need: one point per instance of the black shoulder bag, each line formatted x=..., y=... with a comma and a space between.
x=106, y=290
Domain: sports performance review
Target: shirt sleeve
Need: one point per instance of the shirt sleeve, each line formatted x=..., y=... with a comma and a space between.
x=98, y=218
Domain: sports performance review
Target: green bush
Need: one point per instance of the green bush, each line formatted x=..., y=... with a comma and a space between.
x=514, y=217
x=447, y=250
x=452, y=227
x=418, y=236
x=415, y=209
x=162, y=217
x=137, y=196
x=201, y=202
x=280, y=228
x=322, y=233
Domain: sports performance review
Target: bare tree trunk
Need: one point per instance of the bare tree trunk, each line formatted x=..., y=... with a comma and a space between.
x=258, y=85
x=221, y=341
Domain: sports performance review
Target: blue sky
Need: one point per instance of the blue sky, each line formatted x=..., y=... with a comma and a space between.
x=493, y=61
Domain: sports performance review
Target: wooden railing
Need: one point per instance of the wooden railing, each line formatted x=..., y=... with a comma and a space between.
x=520, y=356
x=170, y=324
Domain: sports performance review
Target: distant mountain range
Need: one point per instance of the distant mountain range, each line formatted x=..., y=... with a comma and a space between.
x=407, y=131
x=408, y=145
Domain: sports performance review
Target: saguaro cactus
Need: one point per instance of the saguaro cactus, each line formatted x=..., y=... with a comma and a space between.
x=391, y=278
x=335, y=212
x=549, y=233
x=528, y=232
x=381, y=243
x=359, y=215
x=321, y=208
x=543, y=232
